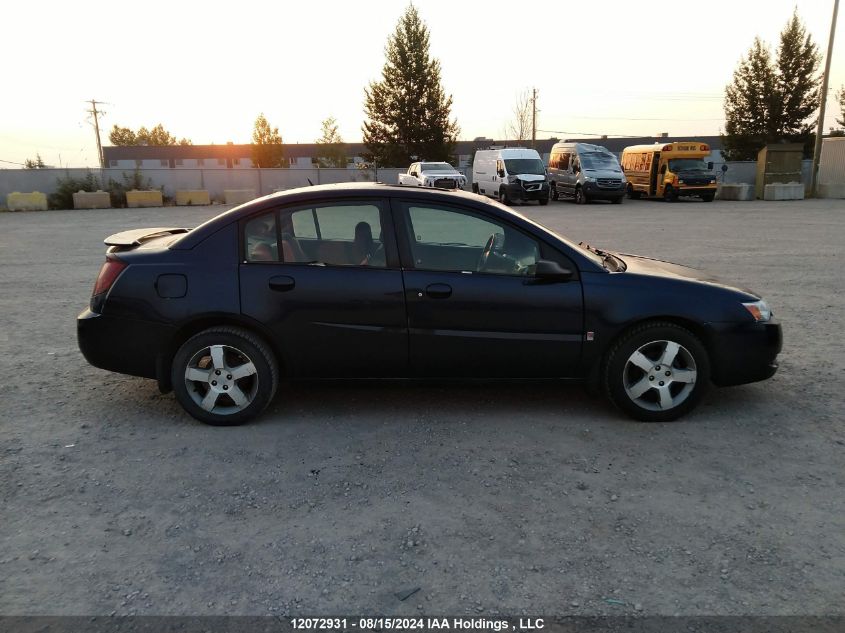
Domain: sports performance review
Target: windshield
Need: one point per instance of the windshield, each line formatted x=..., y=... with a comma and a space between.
x=436, y=167
x=687, y=164
x=599, y=160
x=525, y=166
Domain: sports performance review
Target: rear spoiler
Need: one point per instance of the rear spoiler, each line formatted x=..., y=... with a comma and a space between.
x=136, y=237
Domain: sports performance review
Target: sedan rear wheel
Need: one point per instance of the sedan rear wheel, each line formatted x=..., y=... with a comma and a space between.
x=657, y=372
x=224, y=376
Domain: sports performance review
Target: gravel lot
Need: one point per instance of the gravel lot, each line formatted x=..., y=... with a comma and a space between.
x=488, y=498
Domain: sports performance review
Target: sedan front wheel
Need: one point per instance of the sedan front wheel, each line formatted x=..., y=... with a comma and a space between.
x=224, y=376
x=657, y=372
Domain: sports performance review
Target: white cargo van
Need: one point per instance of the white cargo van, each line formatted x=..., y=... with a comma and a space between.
x=584, y=172
x=512, y=174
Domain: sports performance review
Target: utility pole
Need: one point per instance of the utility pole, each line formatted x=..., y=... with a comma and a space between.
x=817, y=153
x=93, y=111
x=534, y=116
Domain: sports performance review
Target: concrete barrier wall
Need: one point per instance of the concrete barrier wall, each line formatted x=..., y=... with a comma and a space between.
x=215, y=181
x=266, y=181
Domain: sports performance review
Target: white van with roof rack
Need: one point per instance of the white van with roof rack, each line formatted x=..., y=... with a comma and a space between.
x=512, y=174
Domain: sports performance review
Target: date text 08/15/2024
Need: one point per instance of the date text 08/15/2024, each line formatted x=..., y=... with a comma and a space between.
x=418, y=624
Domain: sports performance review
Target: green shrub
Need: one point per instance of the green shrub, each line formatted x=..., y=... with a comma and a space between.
x=63, y=197
x=118, y=190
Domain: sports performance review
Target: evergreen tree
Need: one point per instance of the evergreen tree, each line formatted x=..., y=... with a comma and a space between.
x=771, y=100
x=38, y=163
x=408, y=111
x=332, y=150
x=267, y=148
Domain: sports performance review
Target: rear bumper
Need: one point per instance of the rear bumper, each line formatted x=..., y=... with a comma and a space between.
x=125, y=346
x=743, y=353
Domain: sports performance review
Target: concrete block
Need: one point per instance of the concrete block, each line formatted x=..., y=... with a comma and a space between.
x=784, y=191
x=238, y=196
x=736, y=191
x=33, y=201
x=190, y=197
x=136, y=198
x=832, y=191
x=91, y=200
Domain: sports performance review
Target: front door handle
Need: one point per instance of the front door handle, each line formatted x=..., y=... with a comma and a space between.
x=439, y=291
x=282, y=283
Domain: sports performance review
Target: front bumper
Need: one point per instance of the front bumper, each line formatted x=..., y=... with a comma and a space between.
x=126, y=346
x=744, y=352
x=595, y=192
x=709, y=190
x=517, y=192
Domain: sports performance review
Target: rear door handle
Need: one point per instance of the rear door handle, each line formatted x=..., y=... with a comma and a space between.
x=439, y=291
x=282, y=283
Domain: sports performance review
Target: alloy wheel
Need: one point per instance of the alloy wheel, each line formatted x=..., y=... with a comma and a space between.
x=221, y=379
x=660, y=375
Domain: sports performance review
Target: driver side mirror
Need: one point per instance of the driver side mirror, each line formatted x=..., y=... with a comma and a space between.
x=501, y=173
x=551, y=271
x=710, y=165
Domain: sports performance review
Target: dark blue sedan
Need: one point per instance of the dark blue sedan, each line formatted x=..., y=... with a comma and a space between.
x=381, y=281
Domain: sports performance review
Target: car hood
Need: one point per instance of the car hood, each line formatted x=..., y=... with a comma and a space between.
x=442, y=174
x=638, y=264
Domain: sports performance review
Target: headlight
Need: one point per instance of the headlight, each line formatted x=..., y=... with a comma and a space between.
x=759, y=310
x=589, y=179
x=680, y=182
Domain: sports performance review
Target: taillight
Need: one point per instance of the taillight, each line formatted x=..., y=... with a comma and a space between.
x=108, y=273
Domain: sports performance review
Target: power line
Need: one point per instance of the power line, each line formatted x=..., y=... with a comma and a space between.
x=12, y=162
x=595, y=134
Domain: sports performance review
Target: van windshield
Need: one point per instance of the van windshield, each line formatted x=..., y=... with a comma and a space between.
x=525, y=166
x=687, y=164
x=599, y=160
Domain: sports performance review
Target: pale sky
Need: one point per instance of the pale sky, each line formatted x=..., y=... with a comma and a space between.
x=206, y=69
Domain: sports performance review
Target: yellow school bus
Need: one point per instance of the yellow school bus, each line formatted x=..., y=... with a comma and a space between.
x=669, y=170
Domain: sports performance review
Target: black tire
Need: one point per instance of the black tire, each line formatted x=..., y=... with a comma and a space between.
x=503, y=196
x=617, y=200
x=669, y=194
x=555, y=194
x=543, y=202
x=690, y=367
x=580, y=196
x=632, y=193
x=475, y=187
x=708, y=197
x=240, y=347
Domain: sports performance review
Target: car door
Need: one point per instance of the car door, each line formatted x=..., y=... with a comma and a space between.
x=477, y=315
x=324, y=279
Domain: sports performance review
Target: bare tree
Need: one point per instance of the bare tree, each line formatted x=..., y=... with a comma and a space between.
x=519, y=128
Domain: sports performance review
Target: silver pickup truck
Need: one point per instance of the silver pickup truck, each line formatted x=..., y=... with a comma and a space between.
x=441, y=175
